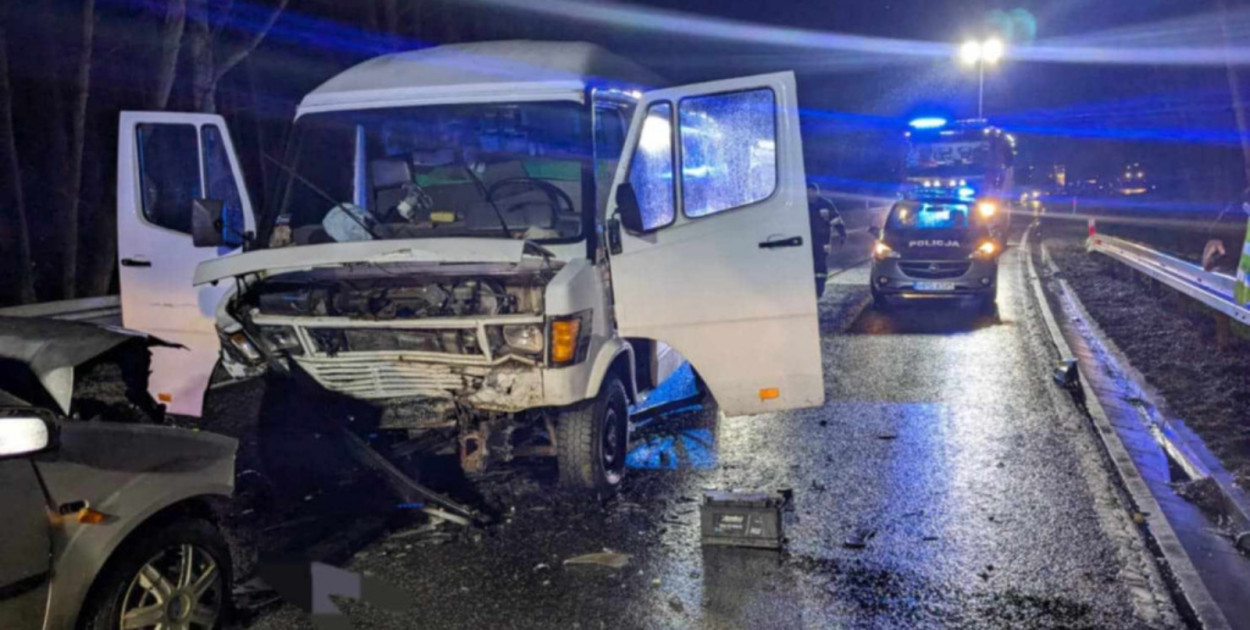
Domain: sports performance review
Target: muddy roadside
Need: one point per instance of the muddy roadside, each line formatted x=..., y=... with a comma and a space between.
x=1171, y=343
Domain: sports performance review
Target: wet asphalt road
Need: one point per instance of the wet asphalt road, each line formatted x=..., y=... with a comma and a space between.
x=978, y=494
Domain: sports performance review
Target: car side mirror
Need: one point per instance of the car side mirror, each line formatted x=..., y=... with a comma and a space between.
x=25, y=433
x=206, y=223
x=627, y=208
x=875, y=230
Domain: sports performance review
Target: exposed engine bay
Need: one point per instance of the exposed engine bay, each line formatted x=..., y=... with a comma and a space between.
x=473, y=334
x=388, y=297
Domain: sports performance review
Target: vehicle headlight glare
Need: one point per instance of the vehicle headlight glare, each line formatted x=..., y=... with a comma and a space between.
x=987, y=208
x=986, y=250
x=881, y=251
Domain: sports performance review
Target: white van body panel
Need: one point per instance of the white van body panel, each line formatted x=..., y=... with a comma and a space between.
x=732, y=290
x=157, y=264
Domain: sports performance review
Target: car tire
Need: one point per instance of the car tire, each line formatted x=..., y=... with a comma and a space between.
x=591, y=440
x=988, y=302
x=880, y=301
x=118, y=588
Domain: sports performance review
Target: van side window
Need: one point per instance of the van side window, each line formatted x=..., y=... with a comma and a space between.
x=728, y=150
x=651, y=169
x=169, y=172
x=221, y=185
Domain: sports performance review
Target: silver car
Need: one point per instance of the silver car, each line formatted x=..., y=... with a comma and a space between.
x=108, y=523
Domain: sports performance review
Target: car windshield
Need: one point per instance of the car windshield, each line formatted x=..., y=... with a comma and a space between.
x=928, y=216
x=489, y=170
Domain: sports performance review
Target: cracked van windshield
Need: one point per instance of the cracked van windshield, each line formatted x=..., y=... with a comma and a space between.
x=497, y=171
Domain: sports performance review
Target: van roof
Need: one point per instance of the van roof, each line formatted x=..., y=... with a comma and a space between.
x=515, y=70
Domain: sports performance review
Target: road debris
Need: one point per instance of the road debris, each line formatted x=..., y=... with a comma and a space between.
x=859, y=539
x=743, y=519
x=605, y=558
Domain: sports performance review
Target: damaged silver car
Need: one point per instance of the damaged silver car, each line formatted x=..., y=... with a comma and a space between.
x=111, y=520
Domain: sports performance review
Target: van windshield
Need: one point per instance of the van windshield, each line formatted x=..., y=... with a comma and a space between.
x=928, y=216
x=486, y=170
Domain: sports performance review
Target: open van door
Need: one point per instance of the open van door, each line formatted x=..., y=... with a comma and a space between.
x=165, y=162
x=710, y=240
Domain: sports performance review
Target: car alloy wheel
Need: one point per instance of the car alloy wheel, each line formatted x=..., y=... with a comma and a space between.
x=180, y=588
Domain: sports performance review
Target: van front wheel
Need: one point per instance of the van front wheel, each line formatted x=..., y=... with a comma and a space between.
x=591, y=440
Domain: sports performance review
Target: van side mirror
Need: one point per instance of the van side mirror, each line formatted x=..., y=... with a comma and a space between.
x=206, y=223
x=24, y=433
x=627, y=208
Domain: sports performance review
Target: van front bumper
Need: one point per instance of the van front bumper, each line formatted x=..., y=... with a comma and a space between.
x=896, y=276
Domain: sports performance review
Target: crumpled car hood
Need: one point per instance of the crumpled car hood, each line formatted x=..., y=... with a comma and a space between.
x=427, y=250
x=48, y=350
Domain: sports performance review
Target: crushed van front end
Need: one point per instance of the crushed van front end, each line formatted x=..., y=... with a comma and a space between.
x=472, y=336
x=458, y=351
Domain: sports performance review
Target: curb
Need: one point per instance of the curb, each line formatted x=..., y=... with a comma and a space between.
x=1156, y=525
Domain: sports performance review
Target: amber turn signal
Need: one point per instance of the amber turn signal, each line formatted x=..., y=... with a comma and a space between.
x=564, y=334
x=88, y=516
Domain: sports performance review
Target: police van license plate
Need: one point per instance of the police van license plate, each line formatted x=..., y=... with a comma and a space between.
x=935, y=286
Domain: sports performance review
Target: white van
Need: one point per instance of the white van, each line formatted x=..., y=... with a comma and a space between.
x=493, y=237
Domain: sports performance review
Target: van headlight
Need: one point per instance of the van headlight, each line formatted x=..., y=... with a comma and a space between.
x=241, y=348
x=281, y=339
x=526, y=338
x=987, y=208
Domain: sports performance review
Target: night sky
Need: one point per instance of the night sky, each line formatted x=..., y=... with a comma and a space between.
x=1092, y=117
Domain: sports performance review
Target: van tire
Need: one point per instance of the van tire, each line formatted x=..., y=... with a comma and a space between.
x=987, y=303
x=880, y=302
x=591, y=440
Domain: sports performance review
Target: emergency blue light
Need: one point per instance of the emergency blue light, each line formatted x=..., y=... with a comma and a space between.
x=927, y=123
x=967, y=193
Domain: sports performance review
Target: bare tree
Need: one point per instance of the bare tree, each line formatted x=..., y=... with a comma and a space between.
x=172, y=28
x=12, y=168
x=78, y=139
x=204, y=39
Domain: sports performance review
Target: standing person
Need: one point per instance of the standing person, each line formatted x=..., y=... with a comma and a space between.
x=824, y=218
x=1226, y=234
x=1241, y=291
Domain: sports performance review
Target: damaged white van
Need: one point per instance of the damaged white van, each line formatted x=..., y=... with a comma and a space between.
x=495, y=238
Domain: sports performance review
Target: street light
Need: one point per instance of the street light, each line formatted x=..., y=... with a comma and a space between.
x=989, y=52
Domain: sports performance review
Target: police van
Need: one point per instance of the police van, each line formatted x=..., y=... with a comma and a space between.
x=937, y=247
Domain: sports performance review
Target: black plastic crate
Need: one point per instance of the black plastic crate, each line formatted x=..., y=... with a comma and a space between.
x=742, y=519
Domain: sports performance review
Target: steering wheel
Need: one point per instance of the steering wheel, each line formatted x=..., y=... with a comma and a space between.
x=555, y=197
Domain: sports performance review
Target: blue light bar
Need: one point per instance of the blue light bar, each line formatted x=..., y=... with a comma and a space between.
x=927, y=123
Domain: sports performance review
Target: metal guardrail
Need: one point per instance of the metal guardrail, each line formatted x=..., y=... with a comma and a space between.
x=97, y=310
x=1212, y=289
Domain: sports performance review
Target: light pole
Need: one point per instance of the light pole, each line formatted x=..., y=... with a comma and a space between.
x=981, y=53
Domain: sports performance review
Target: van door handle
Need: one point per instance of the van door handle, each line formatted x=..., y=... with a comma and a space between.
x=136, y=262
x=793, y=241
